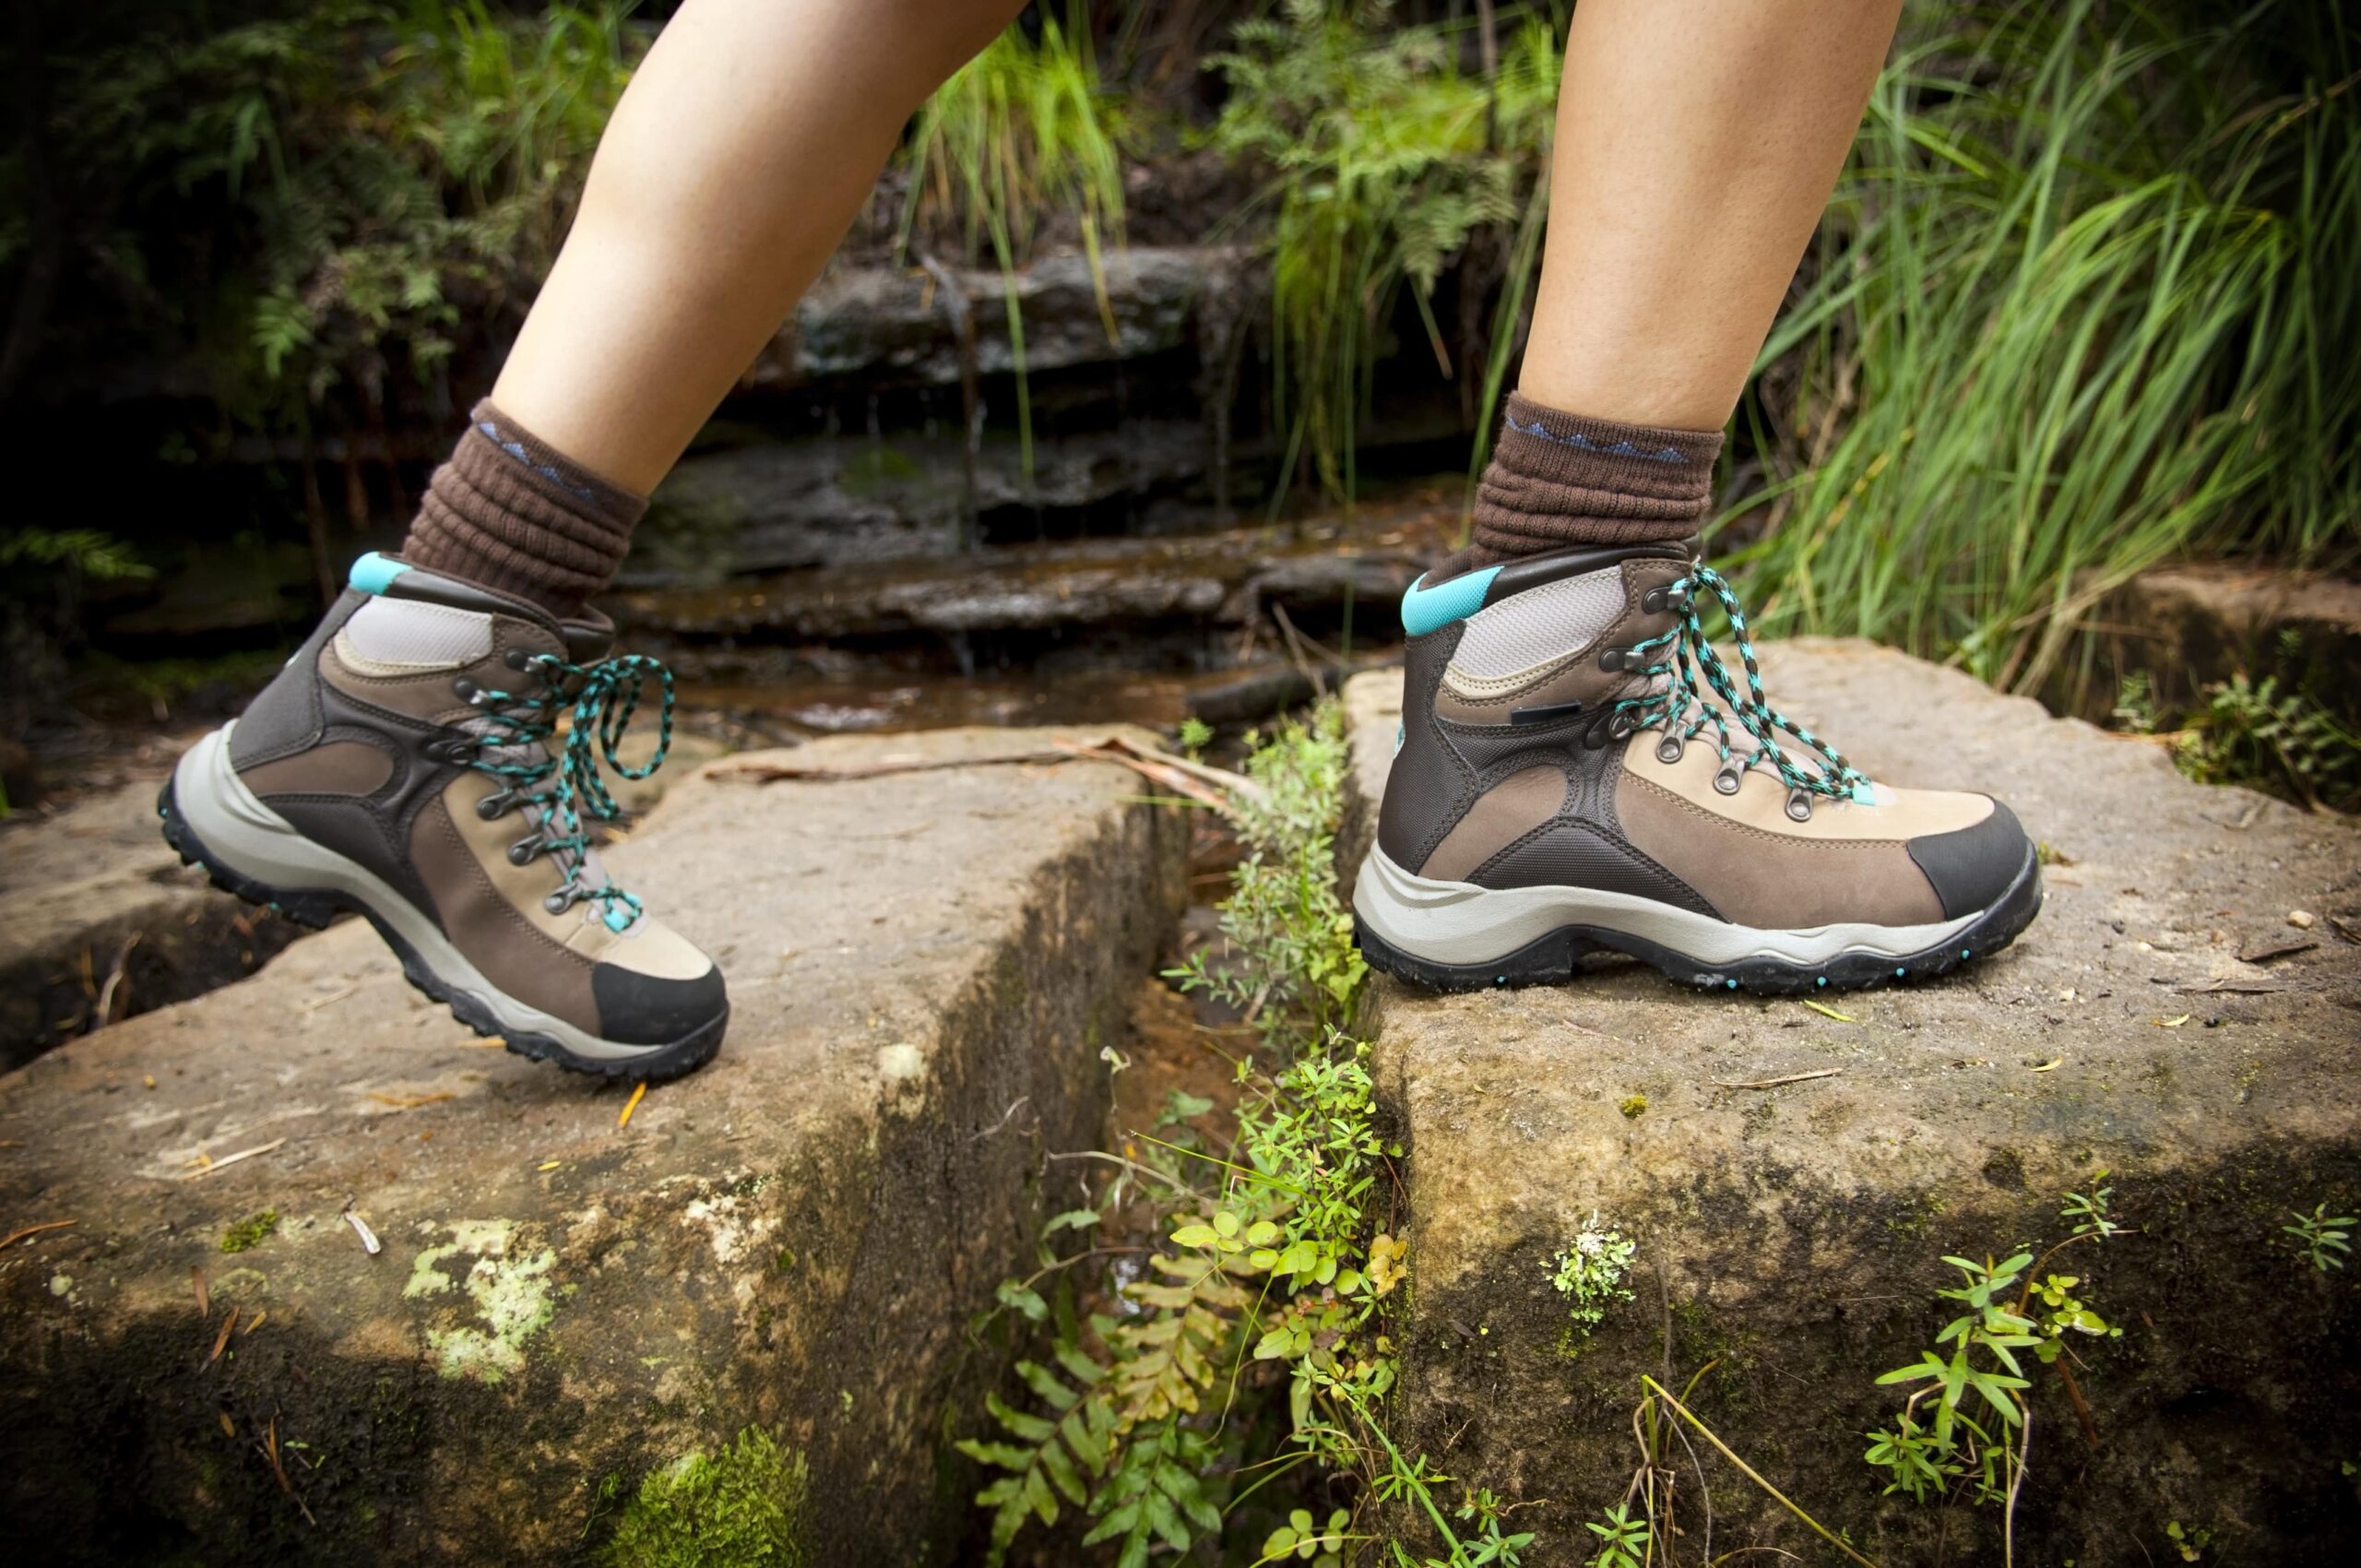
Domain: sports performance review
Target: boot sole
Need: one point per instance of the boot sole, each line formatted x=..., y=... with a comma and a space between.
x=1555, y=958
x=316, y=906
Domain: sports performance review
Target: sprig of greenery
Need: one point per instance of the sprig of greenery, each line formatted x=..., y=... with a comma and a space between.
x=1273, y=1285
x=2322, y=1239
x=1384, y=157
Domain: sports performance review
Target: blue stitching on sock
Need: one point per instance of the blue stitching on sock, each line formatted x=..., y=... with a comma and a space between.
x=1575, y=438
x=516, y=450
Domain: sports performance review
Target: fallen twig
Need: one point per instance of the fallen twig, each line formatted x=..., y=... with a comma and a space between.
x=211, y=1166
x=13, y=1236
x=638, y=1093
x=1775, y=1083
x=1159, y=765
x=410, y=1101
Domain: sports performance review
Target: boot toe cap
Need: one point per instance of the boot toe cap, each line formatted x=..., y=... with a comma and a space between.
x=643, y=1009
x=1972, y=867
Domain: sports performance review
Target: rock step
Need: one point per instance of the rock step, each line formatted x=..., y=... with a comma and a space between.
x=1792, y=1236
x=924, y=967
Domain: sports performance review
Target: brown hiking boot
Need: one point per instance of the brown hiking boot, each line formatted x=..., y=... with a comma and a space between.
x=402, y=765
x=1578, y=771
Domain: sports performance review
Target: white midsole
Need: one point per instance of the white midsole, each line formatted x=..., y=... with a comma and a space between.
x=248, y=837
x=1458, y=923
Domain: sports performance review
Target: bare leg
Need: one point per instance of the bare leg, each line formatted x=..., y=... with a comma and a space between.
x=1697, y=143
x=738, y=158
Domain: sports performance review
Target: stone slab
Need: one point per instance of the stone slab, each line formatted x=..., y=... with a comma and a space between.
x=922, y=967
x=1792, y=1237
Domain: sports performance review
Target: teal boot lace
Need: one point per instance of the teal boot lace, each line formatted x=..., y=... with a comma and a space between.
x=563, y=783
x=1678, y=708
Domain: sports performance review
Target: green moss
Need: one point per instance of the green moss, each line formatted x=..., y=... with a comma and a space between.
x=250, y=1232
x=1635, y=1106
x=743, y=1508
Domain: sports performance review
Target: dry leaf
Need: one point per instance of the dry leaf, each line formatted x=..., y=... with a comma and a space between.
x=2051, y=1065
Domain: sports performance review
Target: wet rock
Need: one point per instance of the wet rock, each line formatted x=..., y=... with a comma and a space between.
x=888, y=324
x=1229, y=577
x=96, y=916
x=2194, y=622
x=820, y=501
x=1790, y=1237
x=924, y=967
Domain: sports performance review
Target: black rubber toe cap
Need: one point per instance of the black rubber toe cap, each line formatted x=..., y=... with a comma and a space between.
x=637, y=1009
x=1971, y=868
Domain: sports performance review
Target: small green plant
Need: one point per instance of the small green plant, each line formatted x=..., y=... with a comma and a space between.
x=1283, y=915
x=1322, y=1546
x=1589, y=1273
x=2190, y=1541
x=250, y=1232
x=744, y=1507
x=1966, y=1431
x=1195, y=735
x=2088, y=1212
x=2321, y=1238
x=2254, y=732
x=1623, y=1541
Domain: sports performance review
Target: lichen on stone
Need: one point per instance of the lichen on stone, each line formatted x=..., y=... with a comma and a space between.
x=510, y=1296
x=251, y=1232
x=744, y=1508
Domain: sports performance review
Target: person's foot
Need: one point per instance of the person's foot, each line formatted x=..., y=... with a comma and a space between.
x=1578, y=770
x=402, y=765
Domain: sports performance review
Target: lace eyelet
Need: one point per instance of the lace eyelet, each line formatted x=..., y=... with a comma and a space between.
x=494, y=806
x=465, y=689
x=1799, y=804
x=514, y=659
x=1620, y=727
x=1727, y=778
x=557, y=903
x=522, y=852
x=1668, y=750
x=1610, y=659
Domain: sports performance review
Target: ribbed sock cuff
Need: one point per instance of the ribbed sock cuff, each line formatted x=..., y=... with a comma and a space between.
x=513, y=514
x=1557, y=479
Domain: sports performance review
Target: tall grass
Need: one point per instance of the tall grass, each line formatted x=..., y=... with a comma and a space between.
x=1384, y=156
x=2085, y=300
x=1023, y=132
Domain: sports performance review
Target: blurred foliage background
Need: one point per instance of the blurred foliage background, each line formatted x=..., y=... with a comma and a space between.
x=2086, y=299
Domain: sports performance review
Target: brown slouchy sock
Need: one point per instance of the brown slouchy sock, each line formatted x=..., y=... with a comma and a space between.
x=509, y=513
x=1557, y=479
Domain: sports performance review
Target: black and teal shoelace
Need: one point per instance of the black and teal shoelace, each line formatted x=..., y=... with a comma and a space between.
x=563, y=782
x=1670, y=707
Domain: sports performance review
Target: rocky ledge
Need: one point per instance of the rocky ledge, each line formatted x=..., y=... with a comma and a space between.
x=2183, y=1015
x=769, y=1264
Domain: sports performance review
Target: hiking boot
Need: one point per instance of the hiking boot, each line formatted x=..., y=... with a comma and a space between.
x=406, y=765
x=1577, y=770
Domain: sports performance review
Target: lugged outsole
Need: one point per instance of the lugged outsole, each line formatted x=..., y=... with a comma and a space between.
x=1555, y=958
x=315, y=908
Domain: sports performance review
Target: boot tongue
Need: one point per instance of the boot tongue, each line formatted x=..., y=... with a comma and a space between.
x=588, y=638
